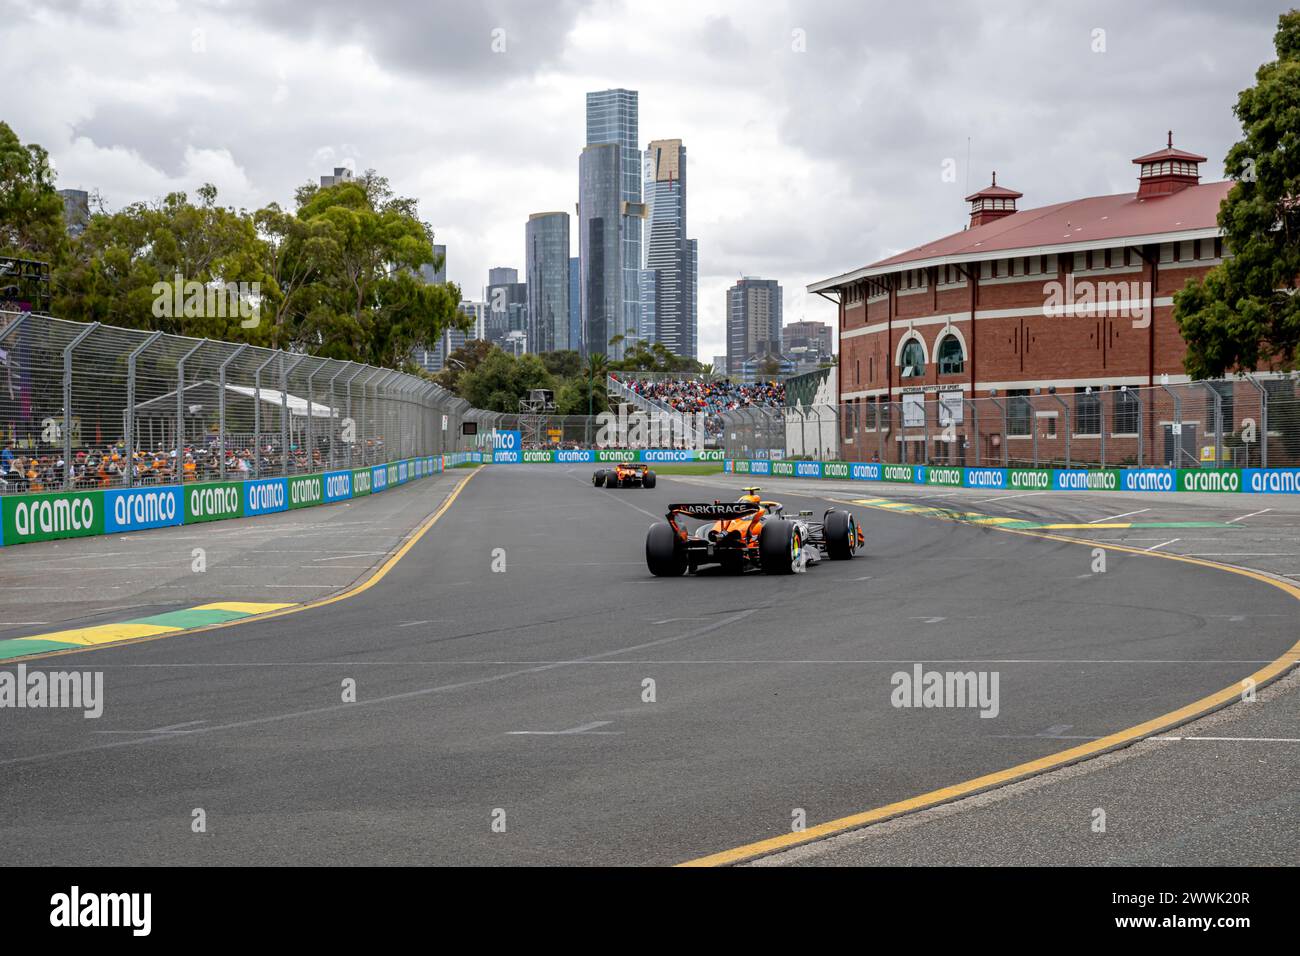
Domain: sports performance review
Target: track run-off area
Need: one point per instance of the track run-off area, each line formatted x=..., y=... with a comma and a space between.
x=527, y=693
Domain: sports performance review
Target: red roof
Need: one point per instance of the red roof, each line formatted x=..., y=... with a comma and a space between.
x=1170, y=153
x=994, y=192
x=1096, y=219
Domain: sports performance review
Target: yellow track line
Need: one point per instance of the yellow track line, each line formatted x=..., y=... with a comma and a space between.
x=1055, y=761
x=352, y=591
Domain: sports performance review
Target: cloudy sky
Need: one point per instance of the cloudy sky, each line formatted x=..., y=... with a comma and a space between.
x=817, y=133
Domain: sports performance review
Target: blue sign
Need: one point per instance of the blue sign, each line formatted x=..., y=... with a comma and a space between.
x=865, y=472
x=985, y=478
x=507, y=447
x=1148, y=479
x=808, y=469
x=1274, y=481
x=760, y=467
x=378, y=478
x=668, y=454
x=338, y=485
x=265, y=496
x=135, y=508
x=574, y=456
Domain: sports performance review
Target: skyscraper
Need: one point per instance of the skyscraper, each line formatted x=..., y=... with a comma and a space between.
x=668, y=251
x=429, y=273
x=546, y=269
x=600, y=250
x=693, y=245
x=575, y=305
x=649, y=281
x=753, y=322
x=609, y=205
x=506, y=302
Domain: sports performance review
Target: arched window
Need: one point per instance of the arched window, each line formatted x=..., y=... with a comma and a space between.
x=912, y=363
x=952, y=359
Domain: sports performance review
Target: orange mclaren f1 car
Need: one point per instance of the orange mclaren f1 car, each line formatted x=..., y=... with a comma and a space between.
x=624, y=475
x=748, y=533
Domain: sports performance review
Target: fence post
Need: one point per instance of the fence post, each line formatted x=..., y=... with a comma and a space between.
x=334, y=410
x=285, y=369
x=257, y=415
x=1065, y=406
x=1263, y=422
x=1178, y=424
x=1006, y=428
x=975, y=427
x=67, y=402
x=1218, y=423
x=178, y=470
x=221, y=404
x=1142, y=427
x=129, y=425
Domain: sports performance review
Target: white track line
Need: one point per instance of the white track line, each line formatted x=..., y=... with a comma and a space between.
x=1251, y=515
x=1126, y=514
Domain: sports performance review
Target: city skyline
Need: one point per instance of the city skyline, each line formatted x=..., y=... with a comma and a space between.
x=791, y=193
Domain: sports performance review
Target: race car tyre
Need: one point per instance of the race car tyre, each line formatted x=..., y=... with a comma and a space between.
x=598, y=479
x=779, y=544
x=664, y=554
x=841, y=534
x=649, y=480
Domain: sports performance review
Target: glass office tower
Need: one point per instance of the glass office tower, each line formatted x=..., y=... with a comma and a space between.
x=612, y=119
x=546, y=265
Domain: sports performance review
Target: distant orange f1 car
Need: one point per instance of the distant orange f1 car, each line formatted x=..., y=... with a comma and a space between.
x=749, y=533
x=624, y=475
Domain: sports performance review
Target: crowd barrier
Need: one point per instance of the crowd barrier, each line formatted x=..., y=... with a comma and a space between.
x=1244, y=480
x=579, y=456
x=74, y=514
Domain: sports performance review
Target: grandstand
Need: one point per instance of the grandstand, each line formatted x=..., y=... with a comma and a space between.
x=690, y=395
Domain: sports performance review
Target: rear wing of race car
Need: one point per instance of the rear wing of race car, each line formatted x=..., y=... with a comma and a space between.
x=711, y=511
x=716, y=510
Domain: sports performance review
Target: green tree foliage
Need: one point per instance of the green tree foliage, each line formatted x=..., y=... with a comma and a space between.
x=368, y=303
x=501, y=380
x=577, y=395
x=118, y=266
x=464, y=359
x=1245, y=314
x=643, y=357
x=31, y=210
x=337, y=277
x=565, y=363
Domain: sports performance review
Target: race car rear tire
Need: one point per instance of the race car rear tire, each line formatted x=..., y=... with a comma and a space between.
x=778, y=546
x=649, y=480
x=598, y=479
x=664, y=554
x=841, y=533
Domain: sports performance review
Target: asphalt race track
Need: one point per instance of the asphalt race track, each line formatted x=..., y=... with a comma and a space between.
x=517, y=695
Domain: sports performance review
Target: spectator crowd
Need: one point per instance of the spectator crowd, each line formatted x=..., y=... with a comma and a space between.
x=24, y=471
x=712, y=398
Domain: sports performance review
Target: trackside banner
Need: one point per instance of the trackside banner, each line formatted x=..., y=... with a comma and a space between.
x=213, y=501
x=133, y=509
x=47, y=516
x=582, y=456
x=44, y=517
x=1221, y=480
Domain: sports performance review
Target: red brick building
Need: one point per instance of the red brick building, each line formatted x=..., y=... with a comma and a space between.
x=1073, y=299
